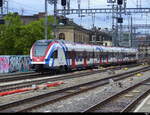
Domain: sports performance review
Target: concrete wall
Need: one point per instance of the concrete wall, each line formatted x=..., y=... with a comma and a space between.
x=14, y=63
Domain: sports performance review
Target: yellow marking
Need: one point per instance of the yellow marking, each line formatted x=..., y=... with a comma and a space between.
x=136, y=91
x=126, y=68
x=128, y=95
x=139, y=74
x=83, y=87
x=70, y=91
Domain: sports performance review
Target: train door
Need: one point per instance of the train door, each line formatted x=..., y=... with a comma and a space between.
x=101, y=56
x=61, y=57
x=73, y=55
x=85, y=58
x=93, y=57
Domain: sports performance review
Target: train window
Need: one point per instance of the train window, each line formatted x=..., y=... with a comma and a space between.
x=77, y=56
x=91, y=54
x=40, y=50
x=84, y=54
x=88, y=56
x=73, y=54
x=55, y=54
x=67, y=54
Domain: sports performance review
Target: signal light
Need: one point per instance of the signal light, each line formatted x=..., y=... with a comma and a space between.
x=120, y=20
x=63, y=2
x=1, y=3
x=120, y=2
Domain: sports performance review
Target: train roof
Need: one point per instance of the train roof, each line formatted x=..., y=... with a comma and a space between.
x=81, y=47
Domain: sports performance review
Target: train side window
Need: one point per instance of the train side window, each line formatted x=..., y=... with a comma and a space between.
x=84, y=54
x=68, y=54
x=73, y=54
x=91, y=54
x=88, y=56
x=56, y=54
x=81, y=56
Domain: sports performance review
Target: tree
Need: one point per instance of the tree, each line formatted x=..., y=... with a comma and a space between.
x=17, y=39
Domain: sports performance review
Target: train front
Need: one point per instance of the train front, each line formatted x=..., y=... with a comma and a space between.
x=38, y=55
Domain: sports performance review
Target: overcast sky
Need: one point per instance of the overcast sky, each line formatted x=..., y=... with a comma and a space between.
x=30, y=7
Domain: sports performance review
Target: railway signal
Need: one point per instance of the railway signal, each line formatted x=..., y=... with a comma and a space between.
x=1, y=3
x=120, y=20
x=63, y=2
x=119, y=2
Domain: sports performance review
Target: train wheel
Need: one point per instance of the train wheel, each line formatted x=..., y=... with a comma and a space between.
x=67, y=69
x=61, y=69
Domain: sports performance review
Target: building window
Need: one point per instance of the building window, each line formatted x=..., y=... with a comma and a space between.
x=62, y=36
x=93, y=38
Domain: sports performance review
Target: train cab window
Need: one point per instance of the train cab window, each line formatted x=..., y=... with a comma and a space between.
x=40, y=48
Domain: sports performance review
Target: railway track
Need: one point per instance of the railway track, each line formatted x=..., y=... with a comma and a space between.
x=124, y=101
x=19, y=76
x=31, y=75
x=44, y=79
x=50, y=97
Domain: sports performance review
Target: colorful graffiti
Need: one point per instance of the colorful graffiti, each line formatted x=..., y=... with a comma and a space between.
x=4, y=64
x=9, y=64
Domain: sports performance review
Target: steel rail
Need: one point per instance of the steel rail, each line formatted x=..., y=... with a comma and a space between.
x=63, y=77
x=131, y=105
x=36, y=101
x=100, y=104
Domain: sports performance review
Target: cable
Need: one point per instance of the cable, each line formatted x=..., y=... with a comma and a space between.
x=26, y=6
x=16, y=9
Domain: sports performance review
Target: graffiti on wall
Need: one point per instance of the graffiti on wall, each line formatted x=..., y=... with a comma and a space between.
x=18, y=63
x=4, y=64
x=9, y=64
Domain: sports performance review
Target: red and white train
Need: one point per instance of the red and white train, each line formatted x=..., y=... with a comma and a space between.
x=60, y=54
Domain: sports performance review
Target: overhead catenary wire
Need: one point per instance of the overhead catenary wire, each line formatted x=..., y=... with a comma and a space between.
x=25, y=5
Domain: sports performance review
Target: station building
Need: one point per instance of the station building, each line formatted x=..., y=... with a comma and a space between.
x=68, y=30
x=72, y=32
x=75, y=33
x=100, y=37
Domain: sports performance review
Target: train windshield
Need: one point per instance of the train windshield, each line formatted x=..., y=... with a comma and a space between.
x=40, y=48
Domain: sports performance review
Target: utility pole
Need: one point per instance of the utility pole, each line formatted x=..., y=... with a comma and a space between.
x=131, y=31
x=112, y=2
x=79, y=2
x=7, y=6
x=46, y=21
x=113, y=25
x=55, y=17
x=1, y=8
